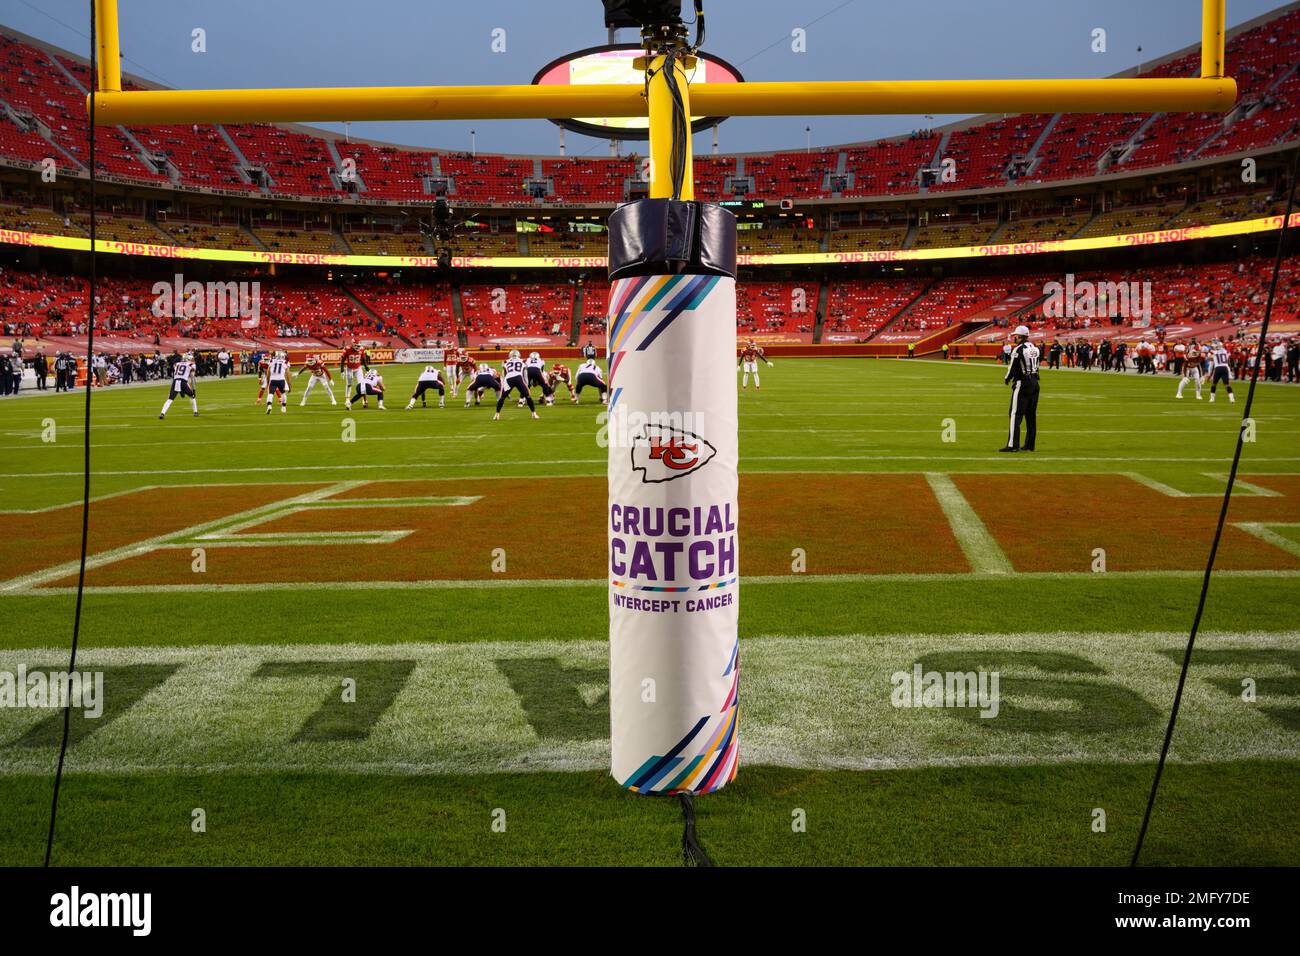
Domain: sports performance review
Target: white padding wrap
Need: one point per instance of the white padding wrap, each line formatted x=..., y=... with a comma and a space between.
x=674, y=556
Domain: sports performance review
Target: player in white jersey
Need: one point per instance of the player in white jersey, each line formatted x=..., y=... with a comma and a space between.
x=277, y=381
x=483, y=378
x=1220, y=369
x=182, y=384
x=514, y=377
x=371, y=383
x=589, y=376
x=535, y=370
x=428, y=379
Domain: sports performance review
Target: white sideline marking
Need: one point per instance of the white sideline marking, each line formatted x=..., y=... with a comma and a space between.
x=981, y=550
x=604, y=461
x=1263, y=531
x=438, y=584
x=1242, y=488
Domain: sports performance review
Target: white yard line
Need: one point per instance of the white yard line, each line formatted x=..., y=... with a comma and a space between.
x=981, y=550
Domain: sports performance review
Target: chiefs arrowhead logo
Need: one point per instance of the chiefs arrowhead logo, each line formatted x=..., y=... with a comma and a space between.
x=662, y=453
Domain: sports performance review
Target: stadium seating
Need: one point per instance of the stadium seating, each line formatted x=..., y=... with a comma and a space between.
x=120, y=228
x=1128, y=219
x=1047, y=228
x=586, y=180
x=26, y=145
x=483, y=243
x=499, y=180
x=888, y=167
x=199, y=153
x=527, y=309
x=298, y=240
x=871, y=239
x=388, y=172
x=567, y=243
x=768, y=307
x=419, y=312
x=941, y=232
x=780, y=238
x=37, y=219
x=296, y=163
x=34, y=83
x=50, y=89
x=984, y=152
x=859, y=307
x=208, y=235
x=387, y=243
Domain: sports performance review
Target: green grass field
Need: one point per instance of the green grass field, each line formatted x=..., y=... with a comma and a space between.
x=242, y=567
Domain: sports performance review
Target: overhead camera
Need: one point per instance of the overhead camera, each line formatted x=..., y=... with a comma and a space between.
x=641, y=14
x=660, y=22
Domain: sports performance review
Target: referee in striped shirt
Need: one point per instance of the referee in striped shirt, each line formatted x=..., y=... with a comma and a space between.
x=1022, y=375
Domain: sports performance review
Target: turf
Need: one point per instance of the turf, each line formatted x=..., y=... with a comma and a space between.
x=844, y=459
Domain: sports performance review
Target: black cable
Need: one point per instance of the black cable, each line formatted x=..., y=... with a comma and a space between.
x=85, y=499
x=1223, y=511
x=693, y=854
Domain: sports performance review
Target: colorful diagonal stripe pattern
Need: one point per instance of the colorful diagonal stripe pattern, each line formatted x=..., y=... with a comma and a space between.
x=706, y=758
x=641, y=308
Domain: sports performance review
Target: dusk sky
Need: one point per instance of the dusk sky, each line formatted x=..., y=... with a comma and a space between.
x=406, y=42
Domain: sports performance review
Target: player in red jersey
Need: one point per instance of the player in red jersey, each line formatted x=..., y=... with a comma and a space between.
x=750, y=356
x=1193, y=360
x=320, y=372
x=453, y=368
x=263, y=367
x=353, y=363
x=560, y=375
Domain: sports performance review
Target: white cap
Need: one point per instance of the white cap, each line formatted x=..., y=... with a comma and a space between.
x=1022, y=330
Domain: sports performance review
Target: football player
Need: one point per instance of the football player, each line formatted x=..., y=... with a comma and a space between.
x=371, y=383
x=535, y=369
x=277, y=381
x=560, y=375
x=182, y=384
x=514, y=378
x=1192, y=362
x=428, y=379
x=483, y=377
x=452, y=366
x=353, y=363
x=589, y=375
x=1221, y=369
x=750, y=356
x=263, y=366
x=320, y=372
